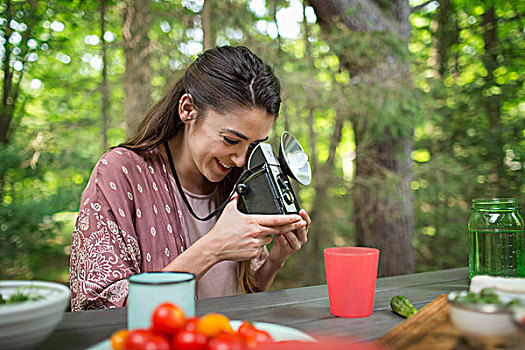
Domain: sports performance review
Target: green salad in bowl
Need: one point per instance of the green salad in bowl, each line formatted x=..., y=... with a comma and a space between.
x=20, y=295
x=30, y=311
x=484, y=318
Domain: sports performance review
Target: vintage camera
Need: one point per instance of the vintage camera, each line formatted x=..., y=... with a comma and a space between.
x=264, y=187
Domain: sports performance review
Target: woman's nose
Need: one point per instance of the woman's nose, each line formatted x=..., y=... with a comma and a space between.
x=239, y=158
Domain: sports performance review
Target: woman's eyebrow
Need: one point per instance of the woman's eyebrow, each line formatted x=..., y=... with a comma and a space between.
x=261, y=140
x=242, y=136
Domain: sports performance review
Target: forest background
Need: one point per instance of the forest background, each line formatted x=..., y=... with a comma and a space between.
x=408, y=110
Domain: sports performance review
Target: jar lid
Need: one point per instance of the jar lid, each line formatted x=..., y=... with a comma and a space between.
x=495, y=204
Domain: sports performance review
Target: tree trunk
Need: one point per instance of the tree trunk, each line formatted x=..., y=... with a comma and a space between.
x=6, y=116
x=382, y=196
x=137, y=51
x=446, y=35
x=207, y=26
x=310, y=255
x=322, y=174
x=104, y=86
x=6, y=113
x=382, y=202
x=12, y=78
x=492, y=102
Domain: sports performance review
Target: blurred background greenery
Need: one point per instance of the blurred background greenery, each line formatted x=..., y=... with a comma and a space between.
x=408, y=109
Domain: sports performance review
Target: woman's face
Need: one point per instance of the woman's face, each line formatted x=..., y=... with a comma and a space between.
x=217, y=143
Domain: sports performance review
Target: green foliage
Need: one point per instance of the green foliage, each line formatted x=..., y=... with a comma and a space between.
x=55, y=138
x=473, y=124
x=26, y=224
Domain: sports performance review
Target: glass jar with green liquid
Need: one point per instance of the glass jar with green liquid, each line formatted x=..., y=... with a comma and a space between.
x=496, y=238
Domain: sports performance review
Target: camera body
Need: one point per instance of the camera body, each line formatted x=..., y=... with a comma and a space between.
x=264, y=187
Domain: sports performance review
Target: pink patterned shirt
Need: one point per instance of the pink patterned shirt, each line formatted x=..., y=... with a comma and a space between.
x=129, y=222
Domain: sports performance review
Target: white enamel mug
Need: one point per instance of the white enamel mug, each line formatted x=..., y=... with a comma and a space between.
x=150, y=289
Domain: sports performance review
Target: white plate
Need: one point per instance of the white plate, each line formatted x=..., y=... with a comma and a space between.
x=278, y=333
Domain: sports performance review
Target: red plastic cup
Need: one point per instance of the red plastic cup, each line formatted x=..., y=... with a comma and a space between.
x=351, y=274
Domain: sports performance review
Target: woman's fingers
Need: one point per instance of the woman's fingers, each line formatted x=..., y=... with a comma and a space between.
x=277, y=230
x=303, y=232
x=266, y=240
x=276, y=220
x=296, y=238
x=292, y=240
x=305, y=217
x=236, y=232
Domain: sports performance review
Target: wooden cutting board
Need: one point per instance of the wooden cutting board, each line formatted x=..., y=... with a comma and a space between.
x=430, y=328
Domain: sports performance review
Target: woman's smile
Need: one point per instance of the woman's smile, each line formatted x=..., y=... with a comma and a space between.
x=223, y=167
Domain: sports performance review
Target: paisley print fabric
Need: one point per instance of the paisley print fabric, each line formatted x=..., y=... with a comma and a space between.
x=118, y=232
x=129, y=222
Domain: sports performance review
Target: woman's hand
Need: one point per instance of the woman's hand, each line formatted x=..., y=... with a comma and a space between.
x=289, y=242
x=237, y=236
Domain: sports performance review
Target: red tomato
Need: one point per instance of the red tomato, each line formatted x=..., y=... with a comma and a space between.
x=253, y=336
x=246, y=329
x=156, y=332
x=136, y=339
x=190, y=340
x=247, y=332
x=155, y=342
x=262, y=337
x=167, y=319
x=191, y=324
x=226, y=341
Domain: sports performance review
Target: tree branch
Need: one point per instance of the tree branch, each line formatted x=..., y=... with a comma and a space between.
x=357, y=15
x=335, y=140
x=279, y=41
x=419, y=7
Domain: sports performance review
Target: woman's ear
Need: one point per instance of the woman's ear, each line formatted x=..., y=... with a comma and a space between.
x=187, y=112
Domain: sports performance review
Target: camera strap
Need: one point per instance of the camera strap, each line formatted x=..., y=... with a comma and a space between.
x=183, y=195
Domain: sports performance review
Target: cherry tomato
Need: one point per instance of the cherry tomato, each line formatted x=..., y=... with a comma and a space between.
x=246, y=329
x=191, y=324
x=118, y=339
x=190, y=340
x=262, y=337
x=213, y=324
x=136, y=339
x=226, y=341
x=157, y=332
x=155, y=342
x=167, y=319
x=247, y=332
x=253, y=336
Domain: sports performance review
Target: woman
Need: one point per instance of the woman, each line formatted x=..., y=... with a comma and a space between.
x=132, y=218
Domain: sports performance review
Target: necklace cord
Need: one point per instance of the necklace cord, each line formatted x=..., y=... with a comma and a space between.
x=183, y=195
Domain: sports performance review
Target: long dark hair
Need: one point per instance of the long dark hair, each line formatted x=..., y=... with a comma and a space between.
x=221, y=79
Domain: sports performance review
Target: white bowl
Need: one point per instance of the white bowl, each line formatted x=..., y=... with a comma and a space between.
x=482, y=323
x=26, y=324
x=507, y=288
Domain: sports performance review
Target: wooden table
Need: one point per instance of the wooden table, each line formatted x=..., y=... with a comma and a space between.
x=303, y=308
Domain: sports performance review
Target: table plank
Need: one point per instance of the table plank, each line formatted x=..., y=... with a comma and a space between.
x=304, y=308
